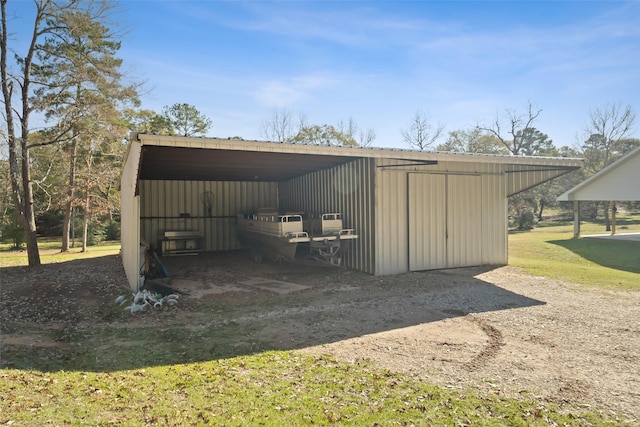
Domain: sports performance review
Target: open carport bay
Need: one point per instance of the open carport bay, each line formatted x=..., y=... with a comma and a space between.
x=200, y=185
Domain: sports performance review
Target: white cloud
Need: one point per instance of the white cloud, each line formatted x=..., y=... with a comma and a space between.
x=350, y=24
x=285, y=93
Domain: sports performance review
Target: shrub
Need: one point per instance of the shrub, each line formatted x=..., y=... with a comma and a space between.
x=14, y=232
x=112, y=230
x=95, y=234
x=526, y=220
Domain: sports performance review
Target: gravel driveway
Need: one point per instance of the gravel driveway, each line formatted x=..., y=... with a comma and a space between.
x=495, y=330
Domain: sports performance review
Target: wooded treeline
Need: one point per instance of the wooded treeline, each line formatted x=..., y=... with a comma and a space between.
x=68, y=108
x=607, y=137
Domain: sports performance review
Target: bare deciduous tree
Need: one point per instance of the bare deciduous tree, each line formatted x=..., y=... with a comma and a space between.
x=67, y=72
x=353, y=131
x=421, y=134
x=608, y=126
x=514, y=138
x=18, y=139
x=281, y=127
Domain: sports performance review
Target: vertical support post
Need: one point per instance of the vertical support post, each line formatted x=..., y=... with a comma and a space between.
x=613, y=218
x=576, y=219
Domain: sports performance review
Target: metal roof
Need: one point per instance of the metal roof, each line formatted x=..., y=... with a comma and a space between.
x=212, y=159
x=170, y=163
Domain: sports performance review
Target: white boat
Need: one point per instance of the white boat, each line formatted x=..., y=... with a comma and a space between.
x=271, y=234
x=328, y=239
x=281, y=236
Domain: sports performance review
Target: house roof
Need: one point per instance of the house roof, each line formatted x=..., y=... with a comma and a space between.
x=619, y=181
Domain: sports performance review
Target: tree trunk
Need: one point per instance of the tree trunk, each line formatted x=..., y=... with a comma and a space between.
x=85, y=223
x=541, y=209
x=594, y=211
x=74, y=212
x=607, y=223
x=66, y=224
x=28, y=216
x=576, y=219
x=613, y=217
x=19, y=173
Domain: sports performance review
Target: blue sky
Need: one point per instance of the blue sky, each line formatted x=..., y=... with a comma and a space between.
x=460, y=63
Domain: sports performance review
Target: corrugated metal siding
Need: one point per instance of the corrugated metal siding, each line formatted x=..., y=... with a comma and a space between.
x=530, y=177
x=163, y=203
x=464, y=220
x=392, y=244
x=494, y=220
x=385, y=223
x=427, y=221
x=471, y=228
x=347, y=189
x=130, y=218
x=373, y=194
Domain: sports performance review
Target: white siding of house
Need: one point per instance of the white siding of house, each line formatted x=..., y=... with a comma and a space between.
x=619, y=181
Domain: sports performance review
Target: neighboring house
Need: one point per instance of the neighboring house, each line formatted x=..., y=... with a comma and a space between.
x=618, y=182
x=411, y=210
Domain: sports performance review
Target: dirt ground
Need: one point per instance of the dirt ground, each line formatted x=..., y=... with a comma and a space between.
x=495, y=330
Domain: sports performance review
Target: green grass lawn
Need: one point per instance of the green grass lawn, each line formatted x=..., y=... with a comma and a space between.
x=50, y=252
x=271, y=388
x=551, y=251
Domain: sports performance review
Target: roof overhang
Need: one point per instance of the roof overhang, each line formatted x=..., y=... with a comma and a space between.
x=212, y=159
x=171, y=163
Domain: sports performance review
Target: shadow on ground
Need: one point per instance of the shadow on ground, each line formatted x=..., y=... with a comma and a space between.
x=63, y=316
x=619, y=254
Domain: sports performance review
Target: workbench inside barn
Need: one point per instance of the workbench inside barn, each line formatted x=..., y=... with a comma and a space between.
x=182, y=242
